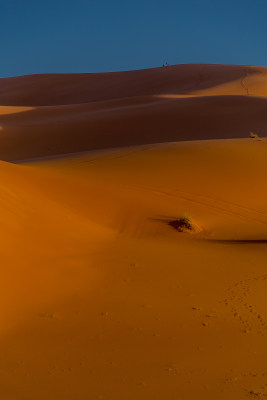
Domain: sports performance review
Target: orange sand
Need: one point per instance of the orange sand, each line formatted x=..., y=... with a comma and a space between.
x=101, y=298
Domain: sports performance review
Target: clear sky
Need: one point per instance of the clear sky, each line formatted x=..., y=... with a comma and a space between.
x=40, y=36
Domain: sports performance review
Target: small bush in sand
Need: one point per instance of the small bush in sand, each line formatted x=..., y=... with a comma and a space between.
x=183, y=224
x=253, y=135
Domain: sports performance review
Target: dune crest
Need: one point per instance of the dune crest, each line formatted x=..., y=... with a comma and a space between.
x=60, y=89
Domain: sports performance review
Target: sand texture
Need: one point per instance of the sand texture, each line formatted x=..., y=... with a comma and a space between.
x=102, y=298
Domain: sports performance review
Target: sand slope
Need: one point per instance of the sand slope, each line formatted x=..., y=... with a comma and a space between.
x=101, y=298
x=58, y=89
x=47, y=131
x=92, y=111
x=108, y=300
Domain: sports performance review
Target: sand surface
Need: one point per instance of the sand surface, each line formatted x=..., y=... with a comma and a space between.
x=101, y=297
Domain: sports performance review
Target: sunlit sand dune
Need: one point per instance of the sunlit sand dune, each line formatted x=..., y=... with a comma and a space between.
x=101, y=297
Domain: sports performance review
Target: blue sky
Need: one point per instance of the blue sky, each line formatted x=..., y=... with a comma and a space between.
x=114, y=35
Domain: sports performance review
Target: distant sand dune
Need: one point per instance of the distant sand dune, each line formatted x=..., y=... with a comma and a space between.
x=58, y=89
x=46, y=131
x=81, y=112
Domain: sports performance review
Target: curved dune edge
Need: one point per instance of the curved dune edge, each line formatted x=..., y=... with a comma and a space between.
x=98, y=271
x=59, y=89
x=6, y=110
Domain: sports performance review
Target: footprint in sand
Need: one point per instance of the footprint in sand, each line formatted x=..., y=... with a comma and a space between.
x=244, y=303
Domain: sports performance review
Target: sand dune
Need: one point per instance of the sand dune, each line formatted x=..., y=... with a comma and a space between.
x=59, y=89
x=47, y=131
x=101, y=297
x=72, y=113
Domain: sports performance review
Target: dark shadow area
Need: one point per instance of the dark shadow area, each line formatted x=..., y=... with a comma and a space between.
x=237, y=241
x=49, y=131
x=182, y=224
x=59, y=89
